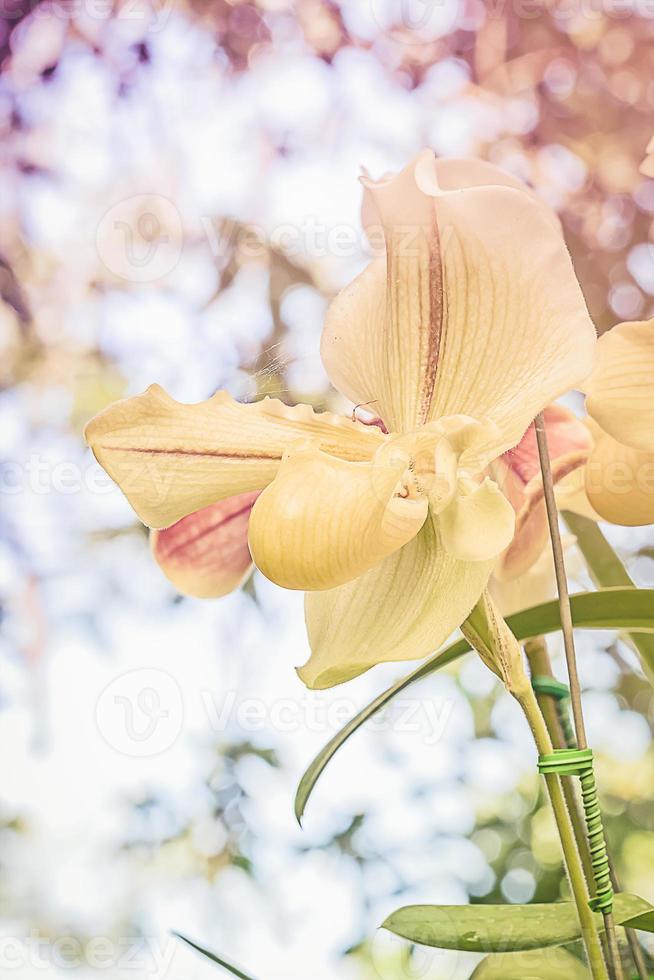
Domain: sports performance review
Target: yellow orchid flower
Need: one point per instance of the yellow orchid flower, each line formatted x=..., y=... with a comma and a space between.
x=603, y=465
x=469, y=325
x=619, y=475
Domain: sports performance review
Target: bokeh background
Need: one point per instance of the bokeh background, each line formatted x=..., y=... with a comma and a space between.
x=179, y=202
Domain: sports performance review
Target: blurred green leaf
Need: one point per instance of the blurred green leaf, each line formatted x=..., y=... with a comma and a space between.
x=550, y=964
x=214, y=959
x=607, y=571
x=505, y=928
x=606, y=609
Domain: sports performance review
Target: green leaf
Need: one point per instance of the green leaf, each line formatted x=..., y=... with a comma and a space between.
x=607, y=571
x=214, y=959
x=549, y=964
x=644, y=920
x=312, y=774
x=627, y=608
x=505, y=928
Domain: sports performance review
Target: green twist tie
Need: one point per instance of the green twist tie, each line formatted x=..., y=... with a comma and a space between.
x=579, y=762
x=542, y=684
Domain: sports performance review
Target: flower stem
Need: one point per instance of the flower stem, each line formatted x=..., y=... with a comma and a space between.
x=569, y=644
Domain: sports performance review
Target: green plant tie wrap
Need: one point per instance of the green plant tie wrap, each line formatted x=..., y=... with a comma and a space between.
x=579, y=762
x=544, y=684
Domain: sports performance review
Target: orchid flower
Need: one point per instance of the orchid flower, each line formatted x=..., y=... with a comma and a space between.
x=469, y=325
x=619, y=475
x=603, y=465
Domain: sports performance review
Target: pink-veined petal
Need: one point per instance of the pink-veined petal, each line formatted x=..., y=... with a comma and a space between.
x=206, y=554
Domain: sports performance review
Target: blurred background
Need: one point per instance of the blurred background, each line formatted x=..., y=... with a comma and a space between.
x=179, y=202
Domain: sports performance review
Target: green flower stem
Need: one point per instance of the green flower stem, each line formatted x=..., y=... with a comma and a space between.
x=540, y=666
x=529, y=704
x=608, y=571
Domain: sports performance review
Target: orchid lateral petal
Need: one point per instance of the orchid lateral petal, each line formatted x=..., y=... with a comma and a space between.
x=509, y=334
x=402, y=609
x=206, y=554
x=518, y=474
x=478, y=524
x=620, y=391
x=171, y=459
x=620, y=483
x=324, y=521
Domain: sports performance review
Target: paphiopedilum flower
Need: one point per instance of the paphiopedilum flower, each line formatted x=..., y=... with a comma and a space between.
x=603, y=465
x=469, y=325
x=619, y=475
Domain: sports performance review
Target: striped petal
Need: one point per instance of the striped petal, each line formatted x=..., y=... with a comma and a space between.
x=171, y=459
x=518, y=474
x=206, y=554
x=324, y=521
x=620, y=391
x=475, y=310
x=402, y=609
